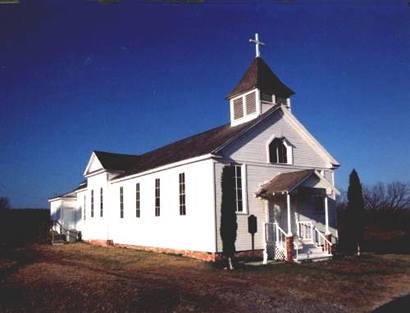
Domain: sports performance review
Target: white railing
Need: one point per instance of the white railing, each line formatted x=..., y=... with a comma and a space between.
x=321, y=241
x=70, y=234
x=274, y=233
x=280, y=236
x=305, y=230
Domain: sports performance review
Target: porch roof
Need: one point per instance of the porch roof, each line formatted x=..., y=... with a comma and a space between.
x=284, y=183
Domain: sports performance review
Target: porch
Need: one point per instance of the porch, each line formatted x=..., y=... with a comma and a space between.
x=289, y=234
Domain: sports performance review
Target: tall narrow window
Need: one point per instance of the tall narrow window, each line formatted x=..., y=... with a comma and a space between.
x=85, y=211
x=92, y=203
x=137, y=200
x=121, y=202
x=157, y=197
x=101, y=203
x=238, y=188
x=182, y=206
x=278, y=151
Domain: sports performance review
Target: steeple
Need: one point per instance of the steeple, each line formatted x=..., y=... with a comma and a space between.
x=258, y=90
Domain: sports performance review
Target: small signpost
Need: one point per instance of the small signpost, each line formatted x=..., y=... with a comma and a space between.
x=252, y=228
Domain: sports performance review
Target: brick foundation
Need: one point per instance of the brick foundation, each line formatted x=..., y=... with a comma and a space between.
x=289, y=248
x=199, y=255
x=328, y=237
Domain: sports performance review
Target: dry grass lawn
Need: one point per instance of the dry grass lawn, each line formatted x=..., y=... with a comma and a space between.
x=85, y=278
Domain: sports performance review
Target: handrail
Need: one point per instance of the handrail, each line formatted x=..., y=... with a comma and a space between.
x=280, y=234
x=279, y=230
x=322, y=241
x=63, y=231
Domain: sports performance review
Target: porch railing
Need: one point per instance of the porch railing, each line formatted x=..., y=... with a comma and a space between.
x=320, y=240
x=274, y=233
x=305, y=230
x=68, y=234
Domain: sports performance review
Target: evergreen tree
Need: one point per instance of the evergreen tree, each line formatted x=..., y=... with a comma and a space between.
x=355, y=211
x=228, y=214
x=4, y=204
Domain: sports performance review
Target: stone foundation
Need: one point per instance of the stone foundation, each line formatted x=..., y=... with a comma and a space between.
x=199, y=255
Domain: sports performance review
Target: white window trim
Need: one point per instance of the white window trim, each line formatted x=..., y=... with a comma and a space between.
x=180, y=194
x=244, y=190
x=289, y=150
x=246, y=117
x=138, y=208
x=244, y=187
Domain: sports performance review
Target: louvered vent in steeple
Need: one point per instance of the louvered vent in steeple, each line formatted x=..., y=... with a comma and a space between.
x=238, y=108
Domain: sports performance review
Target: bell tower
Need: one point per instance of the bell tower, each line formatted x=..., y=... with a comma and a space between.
x=258, y=90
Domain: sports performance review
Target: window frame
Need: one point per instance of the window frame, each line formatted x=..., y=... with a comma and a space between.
x=157, y=197
x=121, y=202
x=92, y=202
x=182, y=194
x=85, y=207
x=289, y=151
x=137, y=200
x=243, y=189
x=101, y=202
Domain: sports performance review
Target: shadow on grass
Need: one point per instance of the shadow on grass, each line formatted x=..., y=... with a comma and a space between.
x=398, y=305
x=20, y=257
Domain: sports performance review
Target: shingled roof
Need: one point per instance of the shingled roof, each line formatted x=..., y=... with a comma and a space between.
x=116, y=161
x=260, y=76
x=285, y=182
x=197, y=145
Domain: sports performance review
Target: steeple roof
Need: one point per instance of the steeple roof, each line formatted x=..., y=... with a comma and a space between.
x=260, y=76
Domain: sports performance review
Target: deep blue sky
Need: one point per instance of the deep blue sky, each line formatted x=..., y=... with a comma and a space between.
x=77, y=76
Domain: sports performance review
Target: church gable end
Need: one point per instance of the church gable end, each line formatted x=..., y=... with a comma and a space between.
x=256, y=144
x=93, y=165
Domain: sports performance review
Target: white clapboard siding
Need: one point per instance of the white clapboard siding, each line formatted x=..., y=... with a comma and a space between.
x=255, y=175
x=253, y=146
x=194, y=231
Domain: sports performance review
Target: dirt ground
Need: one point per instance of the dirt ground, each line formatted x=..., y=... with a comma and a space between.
x=85, y=278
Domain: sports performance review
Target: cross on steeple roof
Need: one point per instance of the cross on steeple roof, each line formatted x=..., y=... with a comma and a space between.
x=257, y=44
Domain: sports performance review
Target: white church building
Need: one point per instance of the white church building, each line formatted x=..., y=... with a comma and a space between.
x=169, y=199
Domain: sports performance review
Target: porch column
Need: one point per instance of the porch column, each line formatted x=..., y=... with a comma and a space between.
x=326, y=215
x=289, y=236
x=289, y=221
x=266, y=229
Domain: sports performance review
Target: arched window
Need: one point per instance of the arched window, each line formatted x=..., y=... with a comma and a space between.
x=278, y=151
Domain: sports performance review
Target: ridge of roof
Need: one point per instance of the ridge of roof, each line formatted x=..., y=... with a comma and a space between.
x=259, y=75
x=210, y=141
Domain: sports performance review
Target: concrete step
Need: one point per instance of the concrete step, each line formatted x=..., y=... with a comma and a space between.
x=312, y=258
x=310, y=252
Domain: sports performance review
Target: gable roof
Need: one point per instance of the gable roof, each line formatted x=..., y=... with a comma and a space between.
x=116, y=161
x=259, y=75
x=203, y=143
x=290, y=181
x=285, y=182
x=208, y=142
x=310, y=138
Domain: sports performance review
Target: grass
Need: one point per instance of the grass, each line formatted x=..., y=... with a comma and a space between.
x=85, y=278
